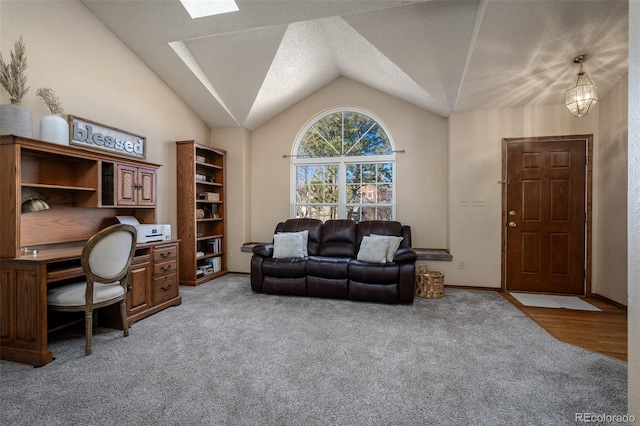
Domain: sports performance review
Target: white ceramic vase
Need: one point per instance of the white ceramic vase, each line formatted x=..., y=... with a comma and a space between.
x=15, y=120
x=54, y=128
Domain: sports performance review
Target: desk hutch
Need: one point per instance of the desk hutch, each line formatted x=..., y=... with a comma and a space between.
x=86, y=190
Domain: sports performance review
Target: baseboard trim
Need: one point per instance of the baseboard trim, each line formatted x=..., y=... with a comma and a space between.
x=606, y=299
x=468, y=287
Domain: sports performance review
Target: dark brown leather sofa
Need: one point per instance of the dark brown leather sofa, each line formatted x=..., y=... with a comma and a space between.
x=331, y=268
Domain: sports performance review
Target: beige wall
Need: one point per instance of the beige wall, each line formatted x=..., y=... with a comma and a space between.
x=421, y=189
x=610, y=212
x=237, y=143
x=475, y=167
x=473, y=234
x=421, y=179
x=98, y=78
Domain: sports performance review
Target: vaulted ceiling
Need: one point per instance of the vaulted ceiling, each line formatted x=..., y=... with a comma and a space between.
x=245, y=67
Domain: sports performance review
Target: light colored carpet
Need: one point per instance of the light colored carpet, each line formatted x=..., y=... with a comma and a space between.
x=228, y=356
x=552, y=301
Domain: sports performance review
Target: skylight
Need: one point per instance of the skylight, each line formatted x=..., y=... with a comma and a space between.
x=200, y=8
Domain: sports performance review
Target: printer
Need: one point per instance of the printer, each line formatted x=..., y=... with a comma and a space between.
x=147, y=233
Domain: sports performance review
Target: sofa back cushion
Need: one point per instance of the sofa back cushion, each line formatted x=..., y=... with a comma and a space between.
x=384, y=227
x=339, y=238
x=296, y=225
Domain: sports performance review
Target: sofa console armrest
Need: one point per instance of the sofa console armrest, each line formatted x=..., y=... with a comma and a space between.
x=405, y=255
x=264, y=250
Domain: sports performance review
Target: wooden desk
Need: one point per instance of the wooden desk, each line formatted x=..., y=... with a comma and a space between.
x=23, y=293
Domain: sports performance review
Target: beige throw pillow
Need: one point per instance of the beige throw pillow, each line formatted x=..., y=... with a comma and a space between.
x=287, y=245
x=373, y=250
x=305, y=240
x=394, y=243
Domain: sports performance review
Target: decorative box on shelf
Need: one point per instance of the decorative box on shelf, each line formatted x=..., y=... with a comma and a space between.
x=209, y=196
x=200, y=159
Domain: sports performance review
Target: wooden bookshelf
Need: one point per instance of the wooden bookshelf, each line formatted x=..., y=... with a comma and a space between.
x=201, y=212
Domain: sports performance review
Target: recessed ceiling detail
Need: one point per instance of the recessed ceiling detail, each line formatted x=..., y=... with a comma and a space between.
x=243, y=68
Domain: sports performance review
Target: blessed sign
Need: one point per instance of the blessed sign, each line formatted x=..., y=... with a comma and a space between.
x=90, y=134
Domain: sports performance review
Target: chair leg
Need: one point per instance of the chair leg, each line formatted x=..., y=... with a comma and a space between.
x=123, y=314
x=88, y=331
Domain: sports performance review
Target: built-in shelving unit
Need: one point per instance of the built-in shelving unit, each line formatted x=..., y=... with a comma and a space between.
x=201, y=212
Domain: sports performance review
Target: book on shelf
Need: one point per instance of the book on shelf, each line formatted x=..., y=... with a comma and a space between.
x=215, y=245
x=210, y=266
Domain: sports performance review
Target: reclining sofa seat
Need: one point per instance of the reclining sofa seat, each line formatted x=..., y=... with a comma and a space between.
x=331, y=268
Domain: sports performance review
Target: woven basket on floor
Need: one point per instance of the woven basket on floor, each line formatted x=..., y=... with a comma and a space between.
x=429, y=284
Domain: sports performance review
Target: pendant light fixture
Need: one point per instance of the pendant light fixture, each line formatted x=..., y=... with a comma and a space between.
x=583, y=93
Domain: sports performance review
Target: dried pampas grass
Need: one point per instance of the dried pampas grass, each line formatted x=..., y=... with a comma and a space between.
x=13, y=76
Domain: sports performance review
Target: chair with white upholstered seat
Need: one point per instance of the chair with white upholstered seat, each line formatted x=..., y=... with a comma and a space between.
x=106, y=260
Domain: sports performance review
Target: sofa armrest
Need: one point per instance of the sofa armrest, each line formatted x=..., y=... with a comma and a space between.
x=405, y=255
x=263, y=250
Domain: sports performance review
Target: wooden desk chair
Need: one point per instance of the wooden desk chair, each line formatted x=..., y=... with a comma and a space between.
x=106, y=260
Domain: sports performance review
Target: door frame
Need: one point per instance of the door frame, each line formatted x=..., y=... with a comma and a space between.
x=588, y=140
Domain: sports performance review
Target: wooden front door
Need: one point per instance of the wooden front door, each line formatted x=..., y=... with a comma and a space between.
x=545, y=214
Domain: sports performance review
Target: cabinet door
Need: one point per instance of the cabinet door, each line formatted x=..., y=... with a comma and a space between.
x=140, y=297
x=23, y=314
x=127, y=185
x=136, y=186
x=146, y=187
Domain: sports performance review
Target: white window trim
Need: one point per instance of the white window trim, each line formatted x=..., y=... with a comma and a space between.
x=342, y=163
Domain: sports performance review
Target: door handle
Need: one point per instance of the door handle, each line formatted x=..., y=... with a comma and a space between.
x=512, y=224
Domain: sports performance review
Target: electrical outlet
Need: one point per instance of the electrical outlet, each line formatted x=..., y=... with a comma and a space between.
x=461, y=264
x=478, y=202
x=463, y=202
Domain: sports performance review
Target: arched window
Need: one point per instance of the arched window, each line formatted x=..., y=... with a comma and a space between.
x=343, y=168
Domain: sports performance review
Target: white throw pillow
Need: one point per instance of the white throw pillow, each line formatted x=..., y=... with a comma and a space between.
x=287, y=245
x=373, y=250
x=305, y=239
x=394, y=243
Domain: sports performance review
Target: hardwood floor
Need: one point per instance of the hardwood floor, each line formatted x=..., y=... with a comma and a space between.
x=604, y=332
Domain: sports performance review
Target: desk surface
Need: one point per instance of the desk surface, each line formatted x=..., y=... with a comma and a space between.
x=46, y=255
x=63, y=262
x=68, y=251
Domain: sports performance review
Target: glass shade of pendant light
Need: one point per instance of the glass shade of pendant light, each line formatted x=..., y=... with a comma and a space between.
x=583, y=93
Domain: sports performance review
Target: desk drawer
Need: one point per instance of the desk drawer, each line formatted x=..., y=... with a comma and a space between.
x=164, y=268
x=164, y=253
x=165, y=288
